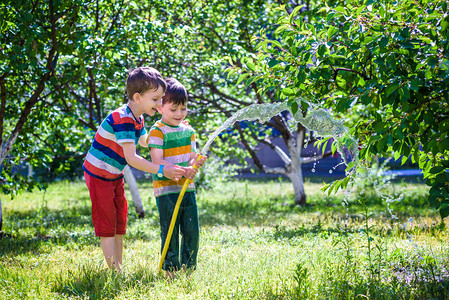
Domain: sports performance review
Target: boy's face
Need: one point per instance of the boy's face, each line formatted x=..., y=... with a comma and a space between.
x=173, y=114
x=151, y=100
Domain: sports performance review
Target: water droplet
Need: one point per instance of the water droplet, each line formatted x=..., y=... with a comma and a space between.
x=313, y=170
x=330, y=171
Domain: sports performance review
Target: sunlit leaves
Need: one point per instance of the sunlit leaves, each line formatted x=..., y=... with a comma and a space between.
x=390, y=59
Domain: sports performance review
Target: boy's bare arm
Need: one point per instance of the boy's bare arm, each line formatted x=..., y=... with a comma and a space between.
x=143, y=140
x=171, y=171
x=157, y=156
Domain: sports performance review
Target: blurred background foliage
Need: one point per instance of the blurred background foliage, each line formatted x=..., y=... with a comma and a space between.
x=380, y=67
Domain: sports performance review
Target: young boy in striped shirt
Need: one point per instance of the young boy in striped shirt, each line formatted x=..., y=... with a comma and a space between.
x=114, y=147
x=172, y=141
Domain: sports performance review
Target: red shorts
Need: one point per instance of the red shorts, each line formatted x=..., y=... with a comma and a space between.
x=109, y=205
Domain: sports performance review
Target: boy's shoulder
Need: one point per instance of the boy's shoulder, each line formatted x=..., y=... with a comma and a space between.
x=158, y=125
x=122, y=110
x=123, y=114
x=162, y=126
x=186, y=125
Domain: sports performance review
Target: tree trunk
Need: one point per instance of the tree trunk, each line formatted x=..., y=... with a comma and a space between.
x=132, y=185
x=295, y=147
x=1, y=216
x=298, y=187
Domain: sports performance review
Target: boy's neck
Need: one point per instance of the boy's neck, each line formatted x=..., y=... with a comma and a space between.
x=167, y=123
x=134, y=109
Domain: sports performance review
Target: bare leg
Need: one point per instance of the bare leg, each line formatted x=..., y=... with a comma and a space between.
x=108, y=247
x=113, y=250
x=118, y=239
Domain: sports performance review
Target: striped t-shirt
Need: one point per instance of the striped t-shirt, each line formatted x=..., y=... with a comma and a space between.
x=178, y=142
x=105, y=159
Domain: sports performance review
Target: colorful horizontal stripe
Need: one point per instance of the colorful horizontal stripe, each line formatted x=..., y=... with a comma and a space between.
x=177, y=143
x=105, y=159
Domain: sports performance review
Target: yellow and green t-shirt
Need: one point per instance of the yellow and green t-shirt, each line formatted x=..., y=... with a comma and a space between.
x=177, y=142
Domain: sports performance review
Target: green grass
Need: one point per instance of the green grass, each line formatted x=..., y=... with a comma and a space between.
x=254, y=245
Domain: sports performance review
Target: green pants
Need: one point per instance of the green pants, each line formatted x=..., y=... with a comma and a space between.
x=187, y=223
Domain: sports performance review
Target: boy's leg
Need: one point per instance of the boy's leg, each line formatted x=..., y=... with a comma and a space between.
x=190, y=230
x=109, y=213
x=121, y=206
x=166, y=205
x=118, y=258
x=112, y=248
x=108, y=247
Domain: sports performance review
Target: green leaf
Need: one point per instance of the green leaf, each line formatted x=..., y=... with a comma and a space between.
x=444, y=25
x=445, y=163
x=325, y=187
x=334, y=147
x=436, y=170
x=272, y=63
x=345, y=182
x=404, y=160
x=231, y=72
x=301, y=76
x=391, y=89
x=332, y=186
x=380, y=145
x=337, y=185
x=444, y=210
x=442, y=178
x=331, y=32
x=288, y=91
x=383, y=42
x=413, y=85
x=361, y=82
x=330, y=16
x=340, y=9
x=242, y=77
x=294, y=107
x=295, y=12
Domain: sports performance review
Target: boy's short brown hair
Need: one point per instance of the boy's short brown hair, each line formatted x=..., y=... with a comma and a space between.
x=143, y=79
x=175, y=93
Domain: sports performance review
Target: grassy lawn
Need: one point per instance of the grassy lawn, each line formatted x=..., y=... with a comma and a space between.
x=254, y=245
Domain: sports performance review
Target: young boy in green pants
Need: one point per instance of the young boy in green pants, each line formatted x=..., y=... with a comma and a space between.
x=114, y=147
x=172, y=141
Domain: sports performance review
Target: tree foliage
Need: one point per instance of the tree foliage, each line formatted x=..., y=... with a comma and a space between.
x=383, y=65
x=35, y=38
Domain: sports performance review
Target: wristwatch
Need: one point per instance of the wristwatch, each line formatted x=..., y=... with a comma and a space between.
x=160, y=173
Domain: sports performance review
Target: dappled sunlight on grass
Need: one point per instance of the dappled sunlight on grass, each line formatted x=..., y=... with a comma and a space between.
x=254, y=244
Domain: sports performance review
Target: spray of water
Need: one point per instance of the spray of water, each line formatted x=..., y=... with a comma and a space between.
x=318, y=120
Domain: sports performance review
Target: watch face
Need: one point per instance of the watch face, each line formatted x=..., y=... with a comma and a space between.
x=159, y=175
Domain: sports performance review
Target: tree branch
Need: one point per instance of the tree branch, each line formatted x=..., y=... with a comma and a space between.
x=278, y=150
x=87, y=124
x=2, y=107
x=251, y=151
x=281, y=171
x=225, y=97
x=50, y=65
x=307, y=160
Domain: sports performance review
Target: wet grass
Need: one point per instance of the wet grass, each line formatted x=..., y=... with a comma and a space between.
x=255, y=244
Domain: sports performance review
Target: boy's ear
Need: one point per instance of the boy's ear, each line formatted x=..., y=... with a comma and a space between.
x=159, y=109
x=136, y=97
